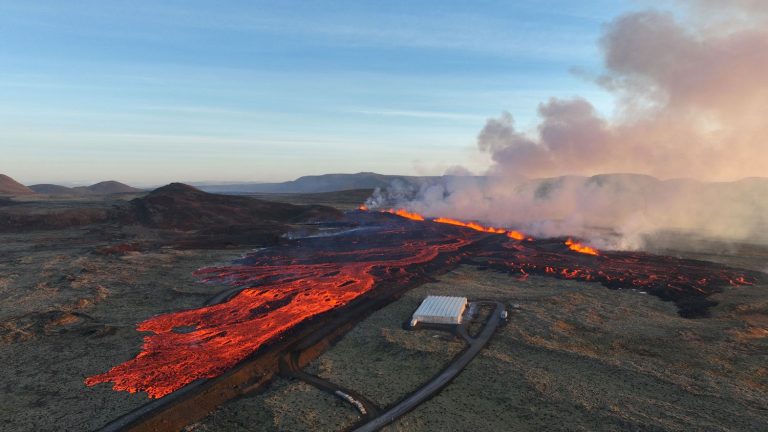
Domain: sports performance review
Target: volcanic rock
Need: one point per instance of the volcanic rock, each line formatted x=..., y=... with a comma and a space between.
x=183, y=207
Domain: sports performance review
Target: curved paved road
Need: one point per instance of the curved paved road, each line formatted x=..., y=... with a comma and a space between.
x=369, y=409
x=441, y=380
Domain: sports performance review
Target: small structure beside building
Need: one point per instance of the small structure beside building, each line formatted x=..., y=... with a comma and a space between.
x=440, y=310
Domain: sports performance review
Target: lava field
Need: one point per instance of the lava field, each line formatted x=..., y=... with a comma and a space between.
x=380, y=253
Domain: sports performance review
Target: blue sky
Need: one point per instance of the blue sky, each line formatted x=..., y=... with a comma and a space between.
x=149, y=92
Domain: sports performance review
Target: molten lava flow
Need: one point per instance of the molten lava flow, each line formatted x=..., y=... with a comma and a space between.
x=471, y=225
x=406, y=214
x=517, y=235
x=286, y=286
x=302, y=279
x=580, y=248
x=363, y=207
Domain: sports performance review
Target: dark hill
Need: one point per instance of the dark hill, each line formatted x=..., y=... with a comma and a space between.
x=109, y=187
x=52, y=189
x=103, y=188
x=9, y=186
x=186, y=217
x=183, y=207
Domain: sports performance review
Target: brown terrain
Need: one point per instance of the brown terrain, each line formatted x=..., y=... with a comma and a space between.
x=77, y=274
x=179, y=212
x=108, y=187
x=54, y=190
x=9, y=186
x=102, y=188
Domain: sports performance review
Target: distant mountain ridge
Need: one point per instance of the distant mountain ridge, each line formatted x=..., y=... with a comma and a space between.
x=110, y=187
x=323, y=183
x=102, y=188
x=369, y=180
x=52, y=189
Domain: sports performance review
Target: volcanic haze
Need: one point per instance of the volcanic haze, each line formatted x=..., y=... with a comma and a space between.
x=691, y=95
x=691, y=98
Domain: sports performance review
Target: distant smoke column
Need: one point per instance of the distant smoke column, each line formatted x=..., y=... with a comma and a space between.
x=690, y=94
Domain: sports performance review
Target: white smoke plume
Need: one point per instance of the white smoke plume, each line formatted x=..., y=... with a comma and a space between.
x=613, y=211
x=692, y=98
x=691, y=103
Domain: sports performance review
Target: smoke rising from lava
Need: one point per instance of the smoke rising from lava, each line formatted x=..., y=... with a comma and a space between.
x=691, y=96
x=613, y=211
x=690, y=103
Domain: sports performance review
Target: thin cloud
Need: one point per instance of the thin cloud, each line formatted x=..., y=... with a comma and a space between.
x=438, y=115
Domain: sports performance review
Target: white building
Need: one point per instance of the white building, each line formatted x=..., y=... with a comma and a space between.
x=440, y=310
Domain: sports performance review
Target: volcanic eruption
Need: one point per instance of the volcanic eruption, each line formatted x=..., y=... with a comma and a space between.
x=287, y=286
x=666, y=124
x=683, y=148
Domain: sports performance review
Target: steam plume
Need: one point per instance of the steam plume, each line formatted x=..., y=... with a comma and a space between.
x=692, y=98
x=691, y=103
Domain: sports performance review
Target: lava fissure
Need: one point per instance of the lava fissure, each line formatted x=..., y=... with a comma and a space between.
x=303, y=279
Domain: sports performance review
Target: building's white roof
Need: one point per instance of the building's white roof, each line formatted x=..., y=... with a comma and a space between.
x=440, y=309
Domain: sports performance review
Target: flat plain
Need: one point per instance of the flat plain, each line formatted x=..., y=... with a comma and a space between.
x=573, y=356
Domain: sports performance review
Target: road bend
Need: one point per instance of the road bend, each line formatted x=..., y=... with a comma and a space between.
x=438, y=382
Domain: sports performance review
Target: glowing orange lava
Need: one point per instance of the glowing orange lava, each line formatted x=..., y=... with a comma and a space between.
x=302, y=279
x=283, y=292
x=406, y=214
x=580, y=248
x=516, y=235
x=472, y=225
x=363, y=207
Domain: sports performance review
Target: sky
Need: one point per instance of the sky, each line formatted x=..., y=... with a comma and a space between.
x=149, y=92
